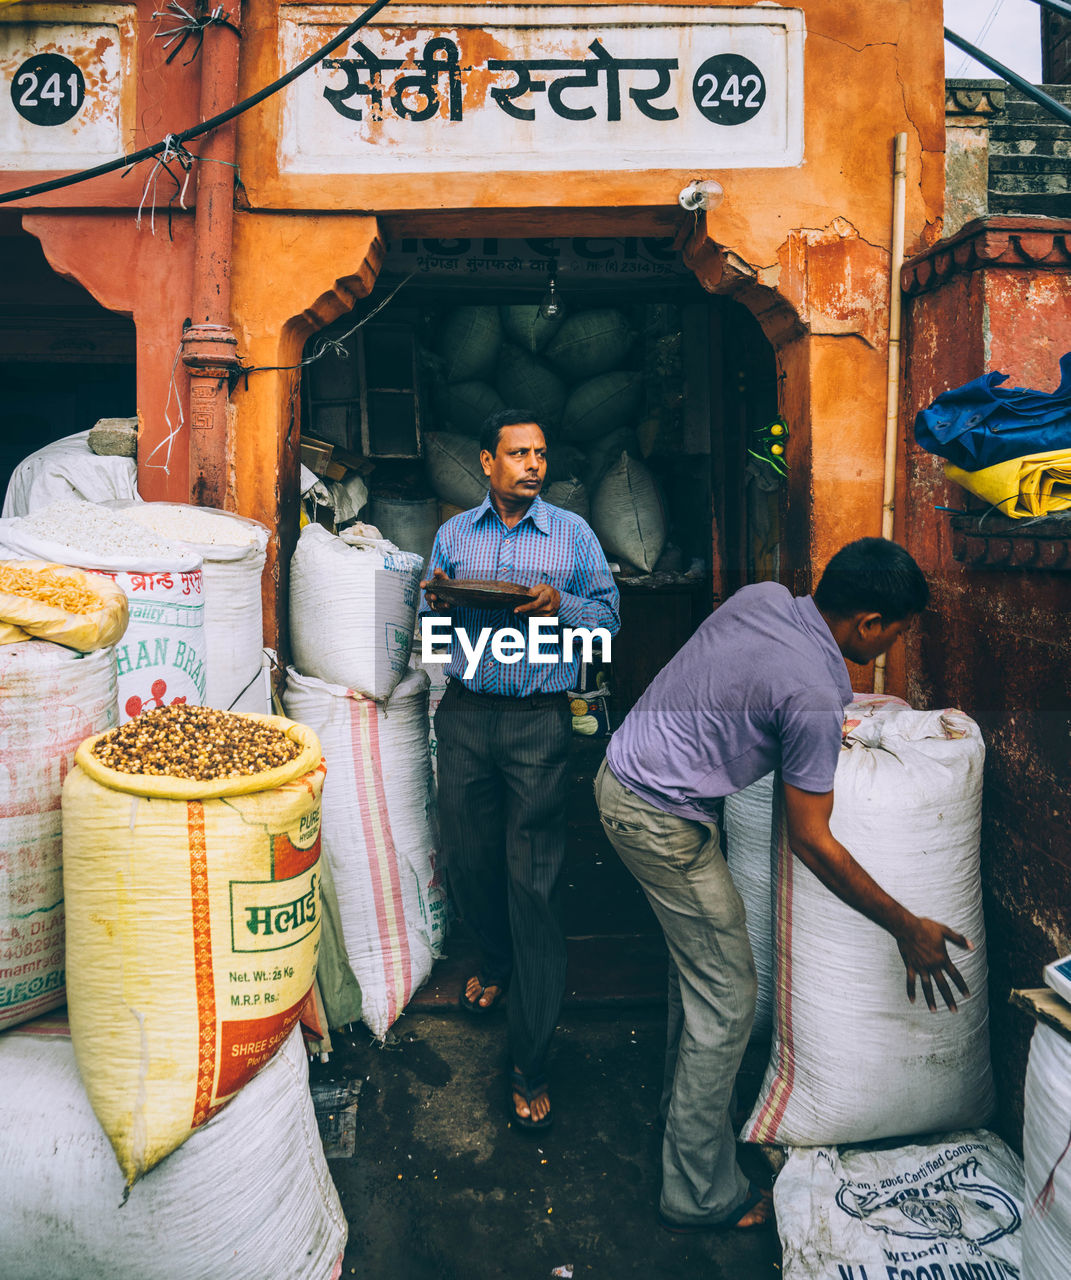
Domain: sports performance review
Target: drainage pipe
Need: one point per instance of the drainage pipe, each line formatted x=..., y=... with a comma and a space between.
x=892, y=402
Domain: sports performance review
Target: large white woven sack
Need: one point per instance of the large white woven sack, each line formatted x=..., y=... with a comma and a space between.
x=852, y=1060
x=748, y=833
x=233, y=617
x=1047, y=1154
x=353, y=603
x=68, y=469
x=52, y=698
x=627, y=515
x=751, y=855
x=950, y=1209
x=162, y=657
x=248, y=1196
x=377, y=835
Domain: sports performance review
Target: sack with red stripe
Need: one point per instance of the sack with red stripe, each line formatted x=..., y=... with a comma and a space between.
x=52, y=698
x=852, y=1060
x=378, y=837
x=193, y=923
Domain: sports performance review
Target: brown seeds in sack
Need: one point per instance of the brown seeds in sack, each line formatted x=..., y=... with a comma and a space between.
x=200, y=743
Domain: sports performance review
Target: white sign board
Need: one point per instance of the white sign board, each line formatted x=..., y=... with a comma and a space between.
x=60, y=106
x=480, y=88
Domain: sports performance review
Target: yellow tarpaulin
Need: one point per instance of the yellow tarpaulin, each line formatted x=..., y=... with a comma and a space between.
x=1038, y=484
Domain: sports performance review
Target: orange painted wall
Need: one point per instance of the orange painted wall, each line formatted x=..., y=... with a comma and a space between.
x=806, y=248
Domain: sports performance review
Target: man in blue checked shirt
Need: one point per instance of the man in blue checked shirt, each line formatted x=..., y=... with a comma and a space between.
x=504, y=731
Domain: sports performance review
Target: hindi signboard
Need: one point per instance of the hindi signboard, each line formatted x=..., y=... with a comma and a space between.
x=543, y=88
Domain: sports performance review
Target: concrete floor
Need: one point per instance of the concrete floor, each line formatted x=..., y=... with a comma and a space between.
x=439, y=1187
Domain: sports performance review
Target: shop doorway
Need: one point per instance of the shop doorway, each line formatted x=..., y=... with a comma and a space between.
x=65, y=361
x=641, y=370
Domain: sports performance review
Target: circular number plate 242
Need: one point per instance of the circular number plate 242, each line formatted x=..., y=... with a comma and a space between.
x=48, y=89
x=729, y=89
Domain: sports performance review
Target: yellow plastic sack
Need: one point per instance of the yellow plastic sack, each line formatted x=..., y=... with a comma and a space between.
x=10, y=634
x=193, y=924
x=1038, y=484
x=68, y=606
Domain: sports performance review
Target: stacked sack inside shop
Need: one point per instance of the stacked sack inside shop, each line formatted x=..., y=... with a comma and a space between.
x=576, y=375
x=121, y=845
x=353, y=604
x=854, y=1069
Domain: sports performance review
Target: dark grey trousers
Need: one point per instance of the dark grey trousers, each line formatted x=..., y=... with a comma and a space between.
x=503, y=766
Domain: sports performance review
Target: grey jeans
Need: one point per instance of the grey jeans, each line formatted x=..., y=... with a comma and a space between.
x=680, y=867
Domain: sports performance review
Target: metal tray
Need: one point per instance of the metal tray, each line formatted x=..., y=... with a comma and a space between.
x=480, y=593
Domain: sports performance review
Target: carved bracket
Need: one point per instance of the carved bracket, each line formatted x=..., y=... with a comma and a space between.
x=1024, y=242
x=1000, y=543
x=974, y=97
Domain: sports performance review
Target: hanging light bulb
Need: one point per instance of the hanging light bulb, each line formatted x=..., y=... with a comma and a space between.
x=551, y=307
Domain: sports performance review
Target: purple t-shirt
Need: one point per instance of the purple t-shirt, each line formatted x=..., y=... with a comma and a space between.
x=760, y=685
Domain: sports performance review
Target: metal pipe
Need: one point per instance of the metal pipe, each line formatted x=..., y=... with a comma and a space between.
x=892, y=395
x=1056, y=6
x=209, y=346
x=1039, y=96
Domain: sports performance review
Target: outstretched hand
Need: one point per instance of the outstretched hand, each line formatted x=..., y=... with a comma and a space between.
x=924, y=951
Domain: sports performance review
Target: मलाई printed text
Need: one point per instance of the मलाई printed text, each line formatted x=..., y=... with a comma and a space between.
x=541, y=647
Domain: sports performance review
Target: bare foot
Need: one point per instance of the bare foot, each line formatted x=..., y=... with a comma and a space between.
x=759, y=1215
x=474, y=988
x=536, y=1110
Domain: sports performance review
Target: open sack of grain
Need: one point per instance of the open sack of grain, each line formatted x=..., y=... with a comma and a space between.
x=191, y=849
x=54, y=602
x=249, y=1195
x=162, y=657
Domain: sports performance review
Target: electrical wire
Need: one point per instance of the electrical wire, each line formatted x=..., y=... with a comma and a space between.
x=986, y=25
x=199, y=130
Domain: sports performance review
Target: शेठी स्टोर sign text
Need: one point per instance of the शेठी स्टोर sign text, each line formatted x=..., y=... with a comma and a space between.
x=478, y=88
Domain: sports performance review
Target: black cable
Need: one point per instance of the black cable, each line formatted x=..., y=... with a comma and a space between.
x=1013, y=77
x=206, y=126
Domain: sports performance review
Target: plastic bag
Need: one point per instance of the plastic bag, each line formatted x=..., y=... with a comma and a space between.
x=982, y=423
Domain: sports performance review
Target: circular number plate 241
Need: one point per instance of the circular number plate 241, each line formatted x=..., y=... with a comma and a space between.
x=48, y=89
x=729, y=89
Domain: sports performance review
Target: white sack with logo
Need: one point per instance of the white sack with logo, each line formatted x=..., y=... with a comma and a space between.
x=249, y=1194
x=353, y=603
x=1047, y=1152
x=852, y=1060
x=946, y=1210
x=378, y=834
x=233, y=565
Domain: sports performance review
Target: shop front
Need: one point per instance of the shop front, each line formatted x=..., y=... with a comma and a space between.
x=475, y=153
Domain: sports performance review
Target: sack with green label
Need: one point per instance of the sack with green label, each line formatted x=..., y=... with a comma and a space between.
x=193, y=924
